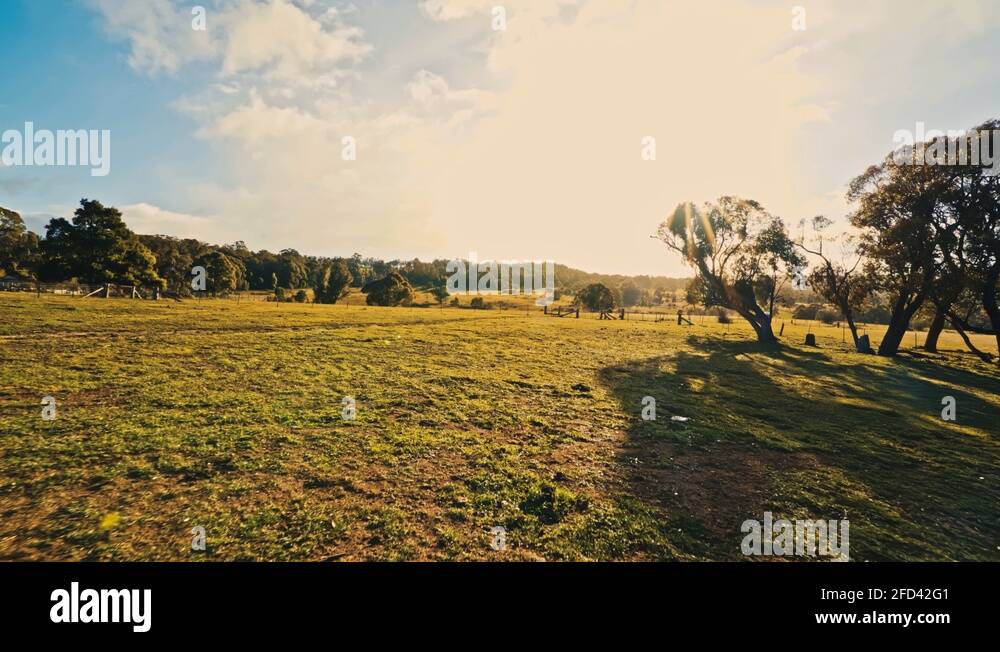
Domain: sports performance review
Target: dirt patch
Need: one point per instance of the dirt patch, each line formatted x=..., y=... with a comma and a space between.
x=720, y=487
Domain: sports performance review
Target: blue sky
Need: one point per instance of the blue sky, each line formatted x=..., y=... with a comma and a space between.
x=518, y=143
x=62, y=71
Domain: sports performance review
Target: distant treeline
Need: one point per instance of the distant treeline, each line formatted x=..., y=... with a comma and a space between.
x=96, y=247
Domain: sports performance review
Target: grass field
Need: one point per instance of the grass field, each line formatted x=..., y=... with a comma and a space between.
x=228, y=416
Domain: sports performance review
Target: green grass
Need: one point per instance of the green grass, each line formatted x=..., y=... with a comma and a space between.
x=228, y=416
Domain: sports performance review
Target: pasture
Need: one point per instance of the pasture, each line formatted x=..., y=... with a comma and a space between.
x=228, y=416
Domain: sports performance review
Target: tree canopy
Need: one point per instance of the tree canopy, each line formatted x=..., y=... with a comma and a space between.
x=742, y=254
x=19, y=248
x=334, y=282
x=391, y=290
x=97, y=247
x=596, y=297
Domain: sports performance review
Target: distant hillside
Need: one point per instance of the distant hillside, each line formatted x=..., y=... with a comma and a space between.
x=575, y=278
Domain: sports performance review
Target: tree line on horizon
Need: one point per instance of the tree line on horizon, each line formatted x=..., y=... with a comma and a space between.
x=96, y=247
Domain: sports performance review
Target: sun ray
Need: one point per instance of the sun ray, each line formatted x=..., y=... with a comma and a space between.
x=709, y=231
x=688, y=231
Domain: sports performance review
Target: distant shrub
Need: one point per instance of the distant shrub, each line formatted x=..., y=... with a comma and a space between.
x=478, y=303
x=596, y=297
x=724, y=317
x=440, y=293
x=806, y=311
x=827, y=316
x=392, y=290
x=455, y=302
x=301, y=296
x=874, y=315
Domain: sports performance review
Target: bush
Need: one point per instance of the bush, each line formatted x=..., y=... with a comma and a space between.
x=478, y=303
x=393, y=290
x=596, y=297
x=301, y=296
x=874, y=315
x=827, y=316
x=806, y=311
x=724, y=317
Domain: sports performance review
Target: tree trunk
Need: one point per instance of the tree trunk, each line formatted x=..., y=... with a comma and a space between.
x=898, y=325
x=762, y=327
x=893, y=337
x=934, y=332
x=990, y=300
x=985, y=357
x=854, y=329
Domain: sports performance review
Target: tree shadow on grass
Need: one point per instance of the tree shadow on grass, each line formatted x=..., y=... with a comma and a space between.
x=802, y=434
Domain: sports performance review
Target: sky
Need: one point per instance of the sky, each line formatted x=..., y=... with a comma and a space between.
x=519, y=143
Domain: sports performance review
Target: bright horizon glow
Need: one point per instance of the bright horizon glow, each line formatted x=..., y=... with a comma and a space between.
x=517, y=144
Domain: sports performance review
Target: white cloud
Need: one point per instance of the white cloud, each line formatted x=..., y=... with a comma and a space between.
x=274, y=38
x=159, y=33
x=148, y=219
x=454, y=9
x=286, y=42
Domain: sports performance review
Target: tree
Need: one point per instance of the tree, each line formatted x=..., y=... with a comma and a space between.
x=391, y=290
x=97, y=247
x=839, y=282
x=631, y=294
x=975, y=201
x=19, y=248
x=963, y=313
x=596, y=297
x=174, y=260
x=221, y=272
x=694, y=291
x=440, y=292
x=361, y=269
x=334, y=282
x=261, y=269
x=742, y=255
x=931, y=231
x=899, y=215
x=291, y=269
